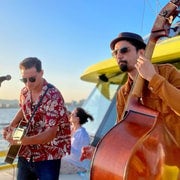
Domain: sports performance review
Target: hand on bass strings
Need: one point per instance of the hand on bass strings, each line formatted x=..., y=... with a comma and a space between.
x=145, y=68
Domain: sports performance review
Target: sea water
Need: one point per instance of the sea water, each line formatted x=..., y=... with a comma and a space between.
x=6, y=116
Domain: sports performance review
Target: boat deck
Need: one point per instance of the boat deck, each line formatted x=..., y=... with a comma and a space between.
x=10, y=174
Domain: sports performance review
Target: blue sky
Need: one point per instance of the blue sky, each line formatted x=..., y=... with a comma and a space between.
x=67, y=35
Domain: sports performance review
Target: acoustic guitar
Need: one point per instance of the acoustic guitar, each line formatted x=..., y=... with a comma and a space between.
x=16, y=135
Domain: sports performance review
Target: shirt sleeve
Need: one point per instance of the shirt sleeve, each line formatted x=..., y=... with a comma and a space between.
x=121, y=99
x=166, y=85
x=80, y=139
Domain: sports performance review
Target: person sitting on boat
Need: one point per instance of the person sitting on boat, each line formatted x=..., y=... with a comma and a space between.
x=71, y=164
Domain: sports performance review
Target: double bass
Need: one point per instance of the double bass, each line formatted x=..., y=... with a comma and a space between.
x=138, y=147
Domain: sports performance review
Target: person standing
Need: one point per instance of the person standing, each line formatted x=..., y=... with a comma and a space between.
x=79, y=137
x=161, y=92
x=48, y=135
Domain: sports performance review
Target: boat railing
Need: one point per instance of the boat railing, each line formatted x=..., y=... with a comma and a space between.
x=4, y=165
x=3, y=152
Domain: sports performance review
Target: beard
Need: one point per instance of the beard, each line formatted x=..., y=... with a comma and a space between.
x=124, y=67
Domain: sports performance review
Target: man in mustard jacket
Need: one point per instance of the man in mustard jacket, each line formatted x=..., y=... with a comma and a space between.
x=161, y=93
x=158, y=157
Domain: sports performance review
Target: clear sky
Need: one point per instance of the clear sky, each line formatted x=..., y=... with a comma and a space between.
x=67, y=36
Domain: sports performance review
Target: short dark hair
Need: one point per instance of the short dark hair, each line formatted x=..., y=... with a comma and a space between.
x=30, y=62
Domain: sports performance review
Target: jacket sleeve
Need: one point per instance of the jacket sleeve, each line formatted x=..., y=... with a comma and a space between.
x=166, y=85
x=120, y=104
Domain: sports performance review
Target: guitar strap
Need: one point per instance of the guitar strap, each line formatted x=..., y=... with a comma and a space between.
x=36, y=107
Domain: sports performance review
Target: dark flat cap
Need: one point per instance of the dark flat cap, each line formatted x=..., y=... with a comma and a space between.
x=129, y=37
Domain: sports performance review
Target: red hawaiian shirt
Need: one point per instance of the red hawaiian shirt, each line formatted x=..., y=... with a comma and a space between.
x=51, y=112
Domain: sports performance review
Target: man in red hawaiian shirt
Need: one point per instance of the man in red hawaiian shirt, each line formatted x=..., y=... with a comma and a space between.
x=48, y=135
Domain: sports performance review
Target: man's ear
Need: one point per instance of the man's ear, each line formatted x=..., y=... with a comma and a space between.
x=141, y=52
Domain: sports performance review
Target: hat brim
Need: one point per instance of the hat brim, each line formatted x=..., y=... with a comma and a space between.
x=140, y=43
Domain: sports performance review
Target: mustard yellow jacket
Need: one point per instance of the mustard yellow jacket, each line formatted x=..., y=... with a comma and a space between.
x=162, y=94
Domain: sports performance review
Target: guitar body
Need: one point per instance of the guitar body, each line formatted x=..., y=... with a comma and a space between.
x=155, y=156
x=115, y=149
x=12, y=153
x=139, y=147
x=17, y=135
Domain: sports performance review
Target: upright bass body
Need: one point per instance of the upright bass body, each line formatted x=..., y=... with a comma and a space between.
x=109, y=162
x=140, y=147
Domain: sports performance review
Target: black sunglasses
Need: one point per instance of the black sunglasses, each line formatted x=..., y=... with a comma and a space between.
x=122, y=51
x=30, y=79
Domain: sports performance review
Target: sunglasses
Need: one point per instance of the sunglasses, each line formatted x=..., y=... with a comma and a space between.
x=122, y=51
x=30, y=79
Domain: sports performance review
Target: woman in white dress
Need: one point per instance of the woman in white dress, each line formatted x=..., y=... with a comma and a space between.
x=71, y=164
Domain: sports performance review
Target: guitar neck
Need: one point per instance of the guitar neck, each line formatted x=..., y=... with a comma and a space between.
x=139, y=82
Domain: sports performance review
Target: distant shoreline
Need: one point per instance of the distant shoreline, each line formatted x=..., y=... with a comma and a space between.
x=14, y=104
x=9, y=107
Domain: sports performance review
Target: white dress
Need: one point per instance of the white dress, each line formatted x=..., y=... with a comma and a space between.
x=71, y=163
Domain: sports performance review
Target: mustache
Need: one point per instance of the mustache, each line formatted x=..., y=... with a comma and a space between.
x=122, y=61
